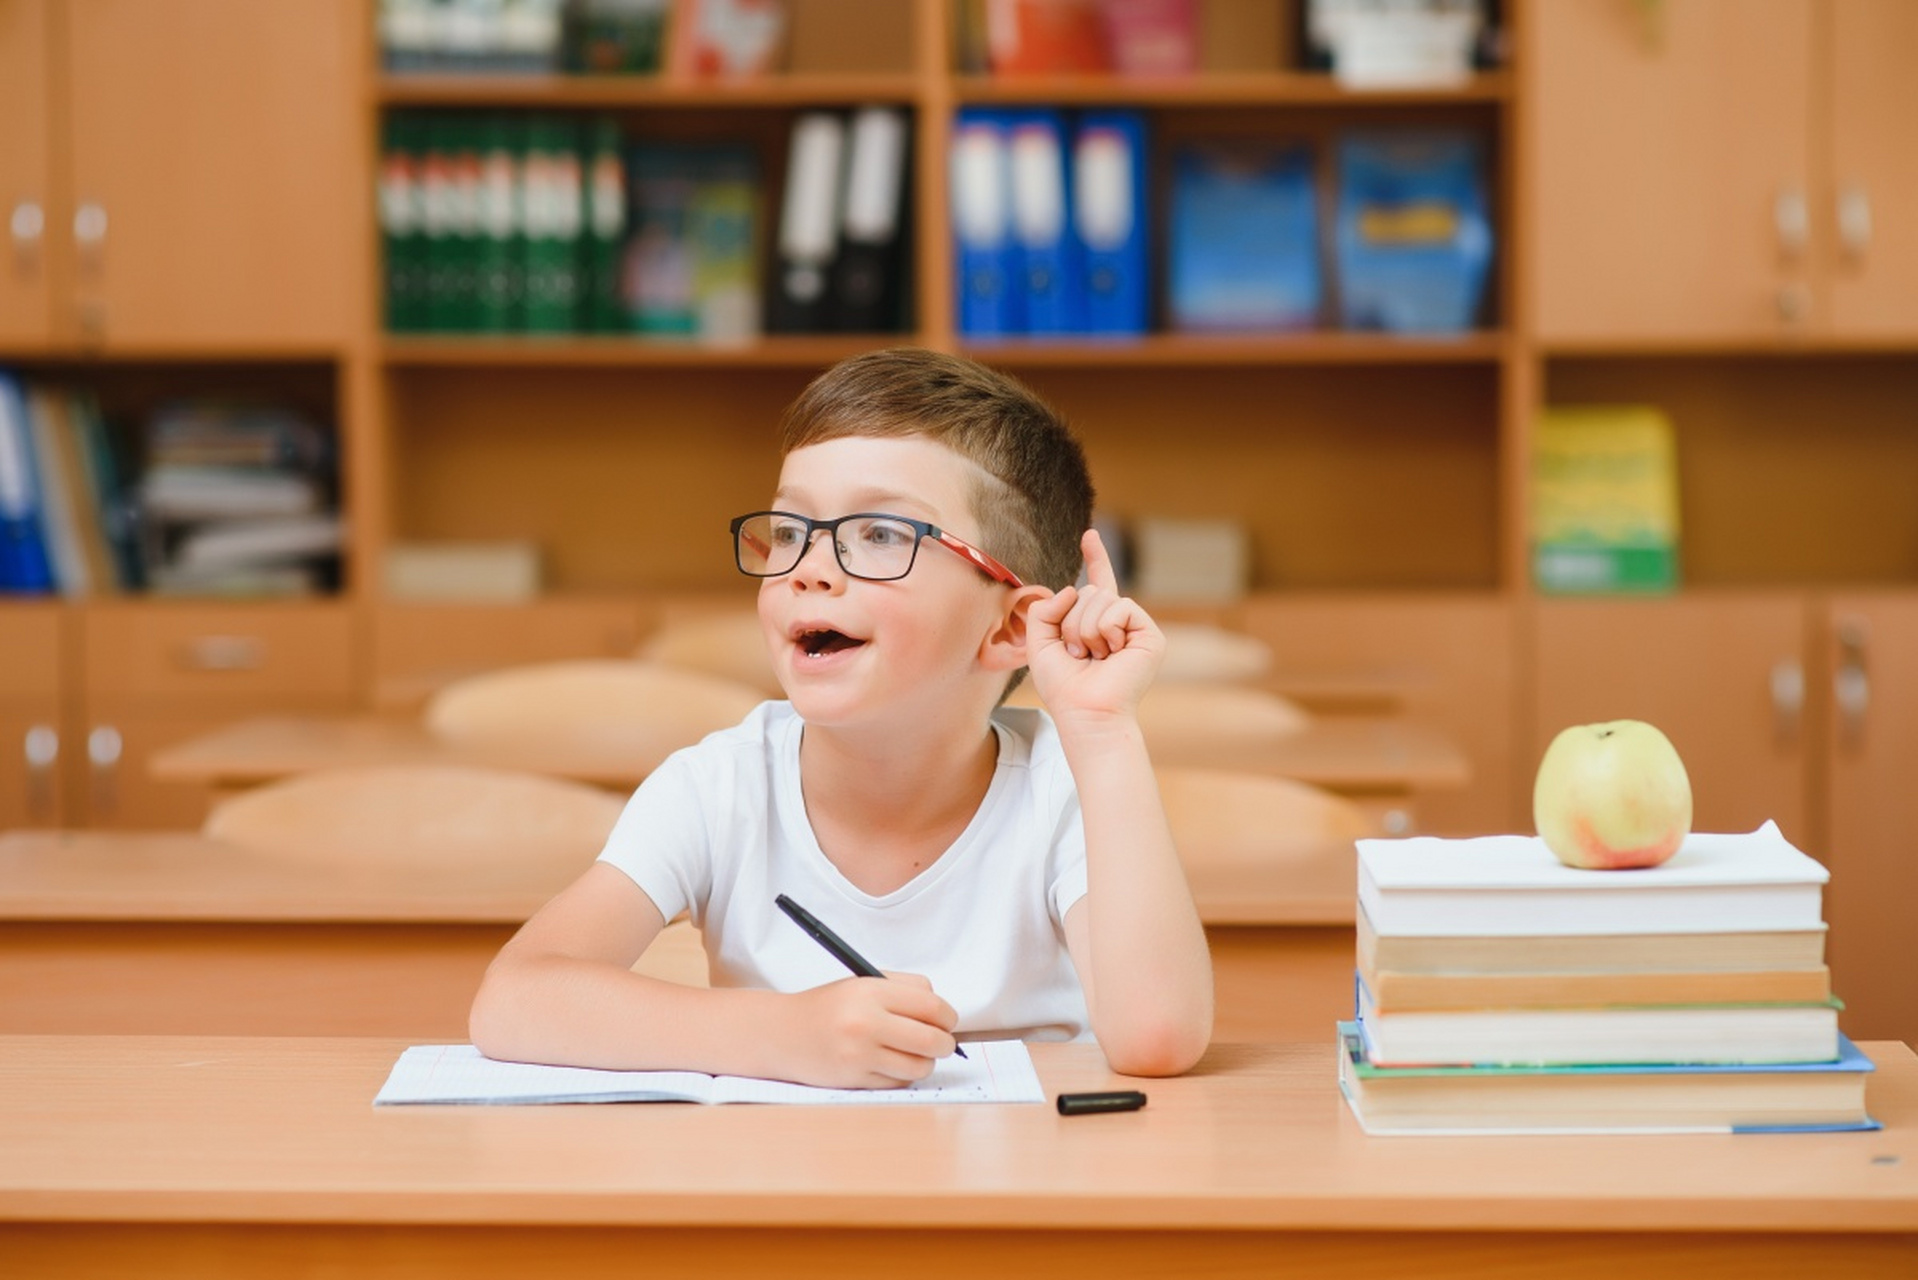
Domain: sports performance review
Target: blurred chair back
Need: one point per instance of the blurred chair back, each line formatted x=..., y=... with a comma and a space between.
x=727, y=643
x=603, y=711
x=1257, y=835
x=1198, y=652
x=1205, y=717
x=522, y=832
x=452, y=817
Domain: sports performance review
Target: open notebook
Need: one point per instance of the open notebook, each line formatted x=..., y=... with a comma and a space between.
x=996, y=1071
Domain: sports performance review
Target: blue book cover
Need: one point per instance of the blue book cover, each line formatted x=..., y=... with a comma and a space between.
x=24, y=564
x=1243, y=251
x=1045, y=251
x=1414, y=239
x=1109, y=220
x=981, y=185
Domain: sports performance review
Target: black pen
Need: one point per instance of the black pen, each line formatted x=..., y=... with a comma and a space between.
x=834, y=944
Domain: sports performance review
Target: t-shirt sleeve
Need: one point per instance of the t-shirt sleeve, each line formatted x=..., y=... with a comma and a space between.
x=663, y=842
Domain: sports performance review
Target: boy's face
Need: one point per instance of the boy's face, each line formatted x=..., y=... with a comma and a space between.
x=848, y=650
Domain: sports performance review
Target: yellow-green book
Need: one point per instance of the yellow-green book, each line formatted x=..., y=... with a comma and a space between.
x=1605, y=500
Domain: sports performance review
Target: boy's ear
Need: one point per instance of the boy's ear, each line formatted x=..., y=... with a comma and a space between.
x=1005, y=646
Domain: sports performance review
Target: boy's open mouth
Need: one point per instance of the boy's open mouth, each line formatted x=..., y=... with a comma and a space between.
x=826, y=640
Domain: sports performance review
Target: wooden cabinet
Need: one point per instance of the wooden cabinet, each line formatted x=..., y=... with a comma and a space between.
x=1723, y=170
x=26, y=171
x=417, y=648
x=1793, y=706
x=154, y=674
x=1723, y=674
x=196, y=168
x=1870, y=649
x=33, y=721
x=1871, y=184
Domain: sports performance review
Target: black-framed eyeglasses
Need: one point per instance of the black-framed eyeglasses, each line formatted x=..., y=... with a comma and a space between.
x=868, y=544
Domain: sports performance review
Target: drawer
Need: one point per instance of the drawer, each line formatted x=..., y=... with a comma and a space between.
x=281, y=652
x=30, y=657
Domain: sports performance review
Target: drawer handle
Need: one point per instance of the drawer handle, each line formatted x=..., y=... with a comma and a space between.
x=1851, y=683
x=224, y=653
x=104, y=748
x=42, y=750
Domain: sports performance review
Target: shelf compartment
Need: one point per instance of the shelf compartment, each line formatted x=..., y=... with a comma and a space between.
x=1220, y=89
x=639, y=92
x=1187, y=350
x=613, y=351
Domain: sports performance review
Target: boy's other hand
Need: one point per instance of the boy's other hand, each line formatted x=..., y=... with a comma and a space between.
x=869, y=1033
x=1092, y=651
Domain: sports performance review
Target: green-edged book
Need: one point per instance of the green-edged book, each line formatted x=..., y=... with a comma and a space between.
x=605, y=238
x=1661, y=1098
x=554, y=221
x=1605, y=500
x=403, y=145
x=497, y=252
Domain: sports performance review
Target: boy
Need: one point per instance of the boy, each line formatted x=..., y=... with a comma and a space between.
x=1016, y=865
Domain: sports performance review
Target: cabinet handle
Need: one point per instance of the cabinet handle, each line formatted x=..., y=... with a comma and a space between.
x=1787, y=699
x=42, y=750
x=1792, y=218
x=1794, y=303
x=223, y=653
x=1850, y=684
x=1854, y=220
x=104, y=748
x=28, y=224
x=90, y=232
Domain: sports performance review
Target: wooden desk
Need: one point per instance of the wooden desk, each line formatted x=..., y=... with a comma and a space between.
x=172, y=933
x=208, y=1157
x=1382, y=761
x=167, y=933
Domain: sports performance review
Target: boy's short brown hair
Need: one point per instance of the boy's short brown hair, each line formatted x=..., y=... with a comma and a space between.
x=1037, y=499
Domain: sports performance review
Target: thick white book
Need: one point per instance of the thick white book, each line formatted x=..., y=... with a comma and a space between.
x=992, y=1071
x=1512, y=886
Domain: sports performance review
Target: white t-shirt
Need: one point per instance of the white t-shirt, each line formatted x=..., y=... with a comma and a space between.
x=720, y=829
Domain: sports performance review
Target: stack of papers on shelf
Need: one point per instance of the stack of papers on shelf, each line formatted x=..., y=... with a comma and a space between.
x=1498, y=989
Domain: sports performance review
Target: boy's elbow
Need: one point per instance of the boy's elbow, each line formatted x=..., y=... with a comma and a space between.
x=1162, y=1048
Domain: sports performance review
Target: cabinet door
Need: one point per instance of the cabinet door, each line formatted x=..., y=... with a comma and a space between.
x=1666, y=136
x=214, y=176
x=113, y=785
x=1873, y=820
x=1452, y=657
x=1722, y=675
x=32, y=693
x=26, y=173
x=1874, y=169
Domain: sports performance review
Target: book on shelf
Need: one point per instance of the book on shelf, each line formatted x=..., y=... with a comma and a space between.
x=1049, y=222
x=1242, y=238
x=25, y=567
x=1605, y=500
x=868, y=273
x=1673, y=1098
x=1152, y=37
x=615, y=37
x=807, y=239
x=1513, y=885
x=1621, y=1034
x=1412, y=235
x=476, y=36
x=1046, y=37
x=710, y=39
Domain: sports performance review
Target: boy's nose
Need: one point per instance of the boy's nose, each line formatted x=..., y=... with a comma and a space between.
x=818, y=565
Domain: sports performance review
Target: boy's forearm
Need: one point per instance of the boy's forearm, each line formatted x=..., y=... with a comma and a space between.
x=592, y=1014
x=1151, y=980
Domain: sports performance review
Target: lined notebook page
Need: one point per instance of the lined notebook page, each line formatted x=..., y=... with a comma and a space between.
x=994, y=1071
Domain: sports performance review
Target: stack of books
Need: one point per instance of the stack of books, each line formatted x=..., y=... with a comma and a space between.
x=1500, y=990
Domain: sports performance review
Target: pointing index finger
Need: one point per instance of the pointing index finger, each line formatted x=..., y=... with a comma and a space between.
x=1098, y=564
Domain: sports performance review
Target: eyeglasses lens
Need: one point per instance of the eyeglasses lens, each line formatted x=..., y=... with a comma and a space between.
x=871, y=547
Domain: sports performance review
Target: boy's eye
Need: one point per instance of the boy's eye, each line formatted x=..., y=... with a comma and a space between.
x=788, y=534
x=888, y=536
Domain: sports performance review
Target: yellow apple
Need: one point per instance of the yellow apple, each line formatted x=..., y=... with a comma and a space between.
x=1611, y=796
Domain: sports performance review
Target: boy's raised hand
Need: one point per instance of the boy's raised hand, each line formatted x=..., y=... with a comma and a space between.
x=1092, y=651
